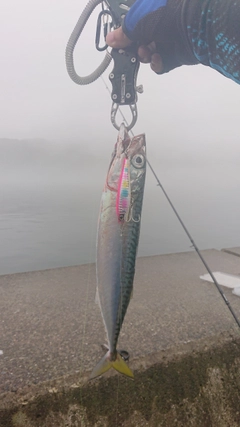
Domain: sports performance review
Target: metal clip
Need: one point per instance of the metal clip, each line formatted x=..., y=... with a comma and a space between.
x=119, y=9
x=123, y=78
x=107, y=26
x=114, y=110
x=124, y=75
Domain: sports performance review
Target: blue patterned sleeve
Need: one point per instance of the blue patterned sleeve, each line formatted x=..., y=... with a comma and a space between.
x=188, y=32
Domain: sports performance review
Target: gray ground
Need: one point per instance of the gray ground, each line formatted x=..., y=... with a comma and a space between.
x=50, y=325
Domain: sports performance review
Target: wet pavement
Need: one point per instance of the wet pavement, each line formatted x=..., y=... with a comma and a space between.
x=50, y=325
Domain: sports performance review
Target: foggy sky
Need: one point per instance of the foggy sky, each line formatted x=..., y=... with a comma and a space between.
x=54, y=133
x=193, y=109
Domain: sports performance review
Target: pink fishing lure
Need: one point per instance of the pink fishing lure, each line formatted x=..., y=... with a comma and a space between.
x=124, y=194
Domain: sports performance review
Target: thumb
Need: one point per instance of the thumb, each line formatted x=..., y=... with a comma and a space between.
x=118, y=39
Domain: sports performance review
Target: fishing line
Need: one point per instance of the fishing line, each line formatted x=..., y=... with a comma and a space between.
x=195, y=247
x=117, y=397
x=186, y=230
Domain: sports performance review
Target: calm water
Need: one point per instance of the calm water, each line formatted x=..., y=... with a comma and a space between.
x=50, y=221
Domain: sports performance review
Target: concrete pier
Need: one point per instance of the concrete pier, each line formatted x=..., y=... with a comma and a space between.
x=183, y=342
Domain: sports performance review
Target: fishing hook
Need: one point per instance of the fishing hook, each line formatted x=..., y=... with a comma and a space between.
x=130, y=217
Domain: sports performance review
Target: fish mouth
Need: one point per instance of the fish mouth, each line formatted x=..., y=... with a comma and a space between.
x=123, y=141
x=125, y=138
x=122, y=145
x=125, y=148
x=126, y=145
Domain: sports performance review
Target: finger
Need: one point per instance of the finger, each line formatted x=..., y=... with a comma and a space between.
x=156, y=63
x=144, y=54
x=152, y=47
x=117, y=39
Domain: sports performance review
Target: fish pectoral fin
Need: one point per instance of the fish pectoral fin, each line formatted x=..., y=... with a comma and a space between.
x=105, y=364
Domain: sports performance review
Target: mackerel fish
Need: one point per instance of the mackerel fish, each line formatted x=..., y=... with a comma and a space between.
x=117, y=241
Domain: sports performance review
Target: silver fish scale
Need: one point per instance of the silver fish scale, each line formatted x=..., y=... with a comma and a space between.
x=131, y=232
x=117, y=243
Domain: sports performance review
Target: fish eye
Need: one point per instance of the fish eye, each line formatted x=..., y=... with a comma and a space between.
x=138, y=161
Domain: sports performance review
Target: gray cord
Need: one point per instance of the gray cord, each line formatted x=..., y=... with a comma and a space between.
x=72, y=43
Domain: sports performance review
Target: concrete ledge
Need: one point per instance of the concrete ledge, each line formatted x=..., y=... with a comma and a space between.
x=232, y=251
x=193, y=386
x=183, y=342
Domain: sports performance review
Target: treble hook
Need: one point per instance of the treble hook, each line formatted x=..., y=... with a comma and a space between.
x=130, y=216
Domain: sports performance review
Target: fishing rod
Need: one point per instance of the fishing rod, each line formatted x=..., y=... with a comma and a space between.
x=124, y=88
x=195, y=247
x=185, y=228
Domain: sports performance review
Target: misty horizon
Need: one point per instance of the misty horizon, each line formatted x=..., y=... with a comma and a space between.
x=56, y=140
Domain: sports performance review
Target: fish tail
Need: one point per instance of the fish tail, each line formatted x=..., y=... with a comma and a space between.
x=105, y=364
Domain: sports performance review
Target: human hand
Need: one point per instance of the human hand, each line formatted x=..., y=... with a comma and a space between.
x=160, y=30
x=147, y=53
x=171, y=33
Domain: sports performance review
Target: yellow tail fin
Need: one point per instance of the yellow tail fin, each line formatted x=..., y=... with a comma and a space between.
x=105, y=364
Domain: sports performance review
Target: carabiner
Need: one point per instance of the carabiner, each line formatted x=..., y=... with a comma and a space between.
x=107, y=26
